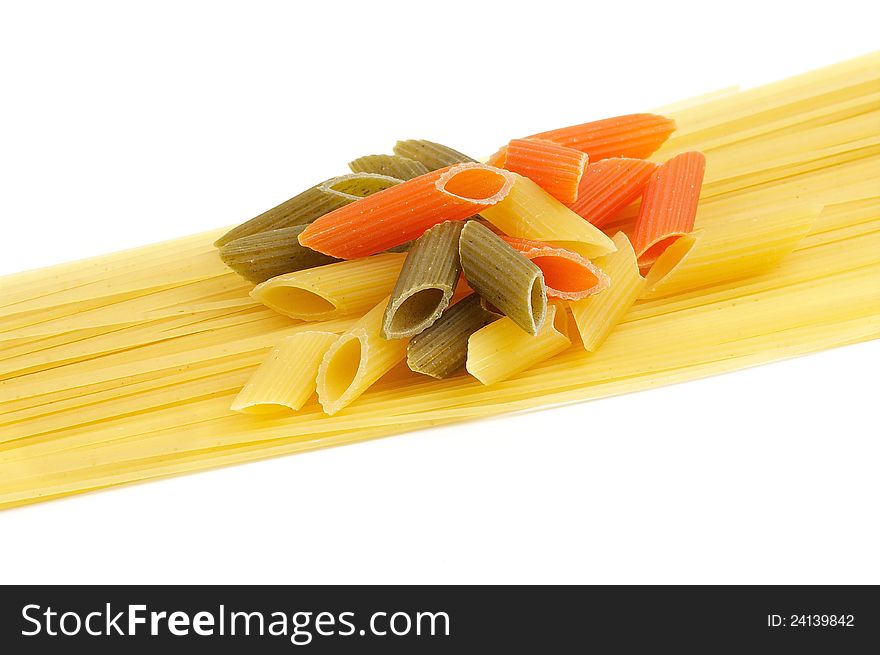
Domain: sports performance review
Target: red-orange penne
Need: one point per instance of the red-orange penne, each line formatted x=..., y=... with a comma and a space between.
x=609, y=185
x=669, y=206
x=555, y=168
x=403, y=212
x=567, y=275
x=499, y=158
x=633, y=135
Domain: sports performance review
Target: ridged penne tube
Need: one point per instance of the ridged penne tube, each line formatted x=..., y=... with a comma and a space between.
x=503, y=277
x=741, y=246
x=529, y=212
x=567, y=275
x=501, y=350
x=556, y=169
x=633, y=135
x=397, y=166
x=311, y=204
x=608, y=186
x=432, y=155
x=405, y=211
x=356, y=360
x=669, y=206
x=286, y=378
x=426, y=283
x=442, y=349
x=333, y=290
x=597, y=315
x=265, y=255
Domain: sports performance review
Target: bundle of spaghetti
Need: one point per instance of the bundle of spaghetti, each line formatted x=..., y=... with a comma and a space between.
x=123, y=368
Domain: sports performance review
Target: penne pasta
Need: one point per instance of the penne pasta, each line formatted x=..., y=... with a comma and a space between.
x=608, y=186
x=426, y=283
x=432, y=155
x=404, y=212
x=265, y=255
x=669, y=206
x=499, y=158
x=503, y=277
x=555, y=168
x=490, y=349
x=598, y=315
x=442, y=349
x=333, y=290
x=529, y=212
x=286, y=378
x=635, y=135
x=311, y=204
x=741, y=246
x=402, y=168
x=567, y=275
x=356, y=360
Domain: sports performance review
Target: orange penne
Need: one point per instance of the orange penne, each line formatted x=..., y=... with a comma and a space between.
x=669, y=206
x=555, y=168
x=403, y=212
x=633, y=135
x=567, y=275
x=499, y=158
x=608, y=186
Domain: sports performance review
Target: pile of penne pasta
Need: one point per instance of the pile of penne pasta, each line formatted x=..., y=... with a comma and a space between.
x=454, y=264
x=123, y=367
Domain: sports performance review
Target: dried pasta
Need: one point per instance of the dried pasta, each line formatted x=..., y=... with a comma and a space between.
x=490, y=349
x=265, y=255
x=333, y=290
x=503, y=277
x=287, y=377
x=404, y=212
x=426, y=282
x=311, y=204
x=596, y=316
x=356, y=360
x=555, y=168
x=432, y=155
x=402, y=168
x=441, y=350
x=529, y=212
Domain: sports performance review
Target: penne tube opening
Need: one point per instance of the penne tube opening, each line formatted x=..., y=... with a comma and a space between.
x=333, y=290
x=355, y=186
x=476, y=183
x=427, y=281
x=670, y=259
x=537, y=303
x=650, y=255
x=288, y=300
x=340, y=371
x=412, y=313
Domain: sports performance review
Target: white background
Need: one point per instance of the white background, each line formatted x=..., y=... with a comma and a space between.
x=122, y=124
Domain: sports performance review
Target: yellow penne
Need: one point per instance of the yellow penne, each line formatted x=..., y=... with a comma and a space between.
x=287, y=377
x=490, y=349
x=597, y=315
x=742, y=246
x=356, y=360
x=529, y=212
x=333, y=290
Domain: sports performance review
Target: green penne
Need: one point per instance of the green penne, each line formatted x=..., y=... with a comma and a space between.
x=503, y=276
x=432, y=155
x=262, y=256
x=312, y=204
x=426, y=283
x=442, y=349
x=403, y=168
